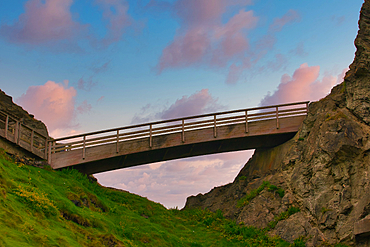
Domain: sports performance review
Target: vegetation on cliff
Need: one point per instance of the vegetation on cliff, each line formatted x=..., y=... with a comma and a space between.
x=43, y=207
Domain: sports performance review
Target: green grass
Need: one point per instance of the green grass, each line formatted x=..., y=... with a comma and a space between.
x=282, y=216
x=254, y=193
x=41, y=207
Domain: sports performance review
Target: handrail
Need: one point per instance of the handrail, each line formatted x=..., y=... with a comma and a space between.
x=177, y=119
x=178, y=126
x=19, y=129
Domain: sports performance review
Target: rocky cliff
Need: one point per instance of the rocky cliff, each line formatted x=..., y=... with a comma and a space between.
x=7, y=106
x=18, y=114
x=324, y=170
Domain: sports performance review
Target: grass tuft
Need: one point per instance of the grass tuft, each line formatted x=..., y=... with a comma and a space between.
x=254, y=193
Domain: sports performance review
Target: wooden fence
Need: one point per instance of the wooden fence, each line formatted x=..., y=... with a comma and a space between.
x=24, y=136
x=178, y=125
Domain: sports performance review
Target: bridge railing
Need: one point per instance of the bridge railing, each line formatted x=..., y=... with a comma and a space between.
x=178, y=125
x=24, y=136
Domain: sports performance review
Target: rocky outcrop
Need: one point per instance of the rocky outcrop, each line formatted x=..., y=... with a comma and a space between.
x=324, y=170
x=17, y=113
x=7, y=105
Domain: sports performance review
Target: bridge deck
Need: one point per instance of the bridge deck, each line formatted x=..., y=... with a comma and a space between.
x=106, y=150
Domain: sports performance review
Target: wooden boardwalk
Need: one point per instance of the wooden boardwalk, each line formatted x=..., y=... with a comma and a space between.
x=105, y=150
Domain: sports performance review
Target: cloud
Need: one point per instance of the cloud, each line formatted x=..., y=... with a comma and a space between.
x=299, y=50
x=54, y=104
x=338, y=20
x=51, y=24
x=303, y=85
x=207, y=38
x=85, y=85
x=289, y=17
x=100, y=99
x=195, y=104
x=84, y=107
x=117, y=19
x=43, y=22
x=277, y=64
x=204, y=38
x=172, y=182
x=204, y=12
x=102, y=68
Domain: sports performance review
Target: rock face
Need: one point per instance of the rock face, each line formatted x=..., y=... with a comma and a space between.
x=17, y=112
x=7, y=105
x=324, y=170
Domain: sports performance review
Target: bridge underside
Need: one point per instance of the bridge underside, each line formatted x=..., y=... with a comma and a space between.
x=100, y=158
x=184, y=151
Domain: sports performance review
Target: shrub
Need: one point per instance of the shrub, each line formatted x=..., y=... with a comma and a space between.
x=36, y=200
x=253, y=193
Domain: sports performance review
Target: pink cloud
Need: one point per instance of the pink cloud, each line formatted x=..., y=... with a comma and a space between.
x=43, y=22
x=171, y=182
x=289, y=17
x=299, y=50
x=303, y=85
x=84, y=107
x=53, y=103
x=86, y=85
x=204, y=12
x=100, y=99
x=117, y=18
x=279, y=62
x=51, y=24
x=99, y=69
x=185, y=50
x=205, y=39
x=235, y=72
x=195, y=104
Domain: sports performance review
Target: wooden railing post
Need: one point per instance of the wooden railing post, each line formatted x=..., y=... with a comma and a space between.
x=16, y=132
x=19, y=132
x=6, y=126
x=214, y=126
x=32, y=133
x=307, y=107
x=49, y=155
x=84, y=148
x=46, y=149
x=150, y=135
x=117, y=141
x=246, y=122
x=183, y=130
x=277, y=117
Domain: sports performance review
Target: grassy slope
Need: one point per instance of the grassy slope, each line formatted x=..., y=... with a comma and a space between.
x=41, y=207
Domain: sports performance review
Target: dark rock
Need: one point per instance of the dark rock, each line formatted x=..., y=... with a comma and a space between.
x=362, y=227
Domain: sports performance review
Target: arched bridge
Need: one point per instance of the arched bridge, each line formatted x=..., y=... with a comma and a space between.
x=105, y=150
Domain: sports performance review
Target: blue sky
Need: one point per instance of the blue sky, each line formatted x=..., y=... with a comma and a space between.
x=83, y=65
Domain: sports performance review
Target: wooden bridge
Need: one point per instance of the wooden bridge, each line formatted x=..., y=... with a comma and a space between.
x=105, y=150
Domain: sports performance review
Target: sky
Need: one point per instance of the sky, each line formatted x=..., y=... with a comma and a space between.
x=81, y=66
